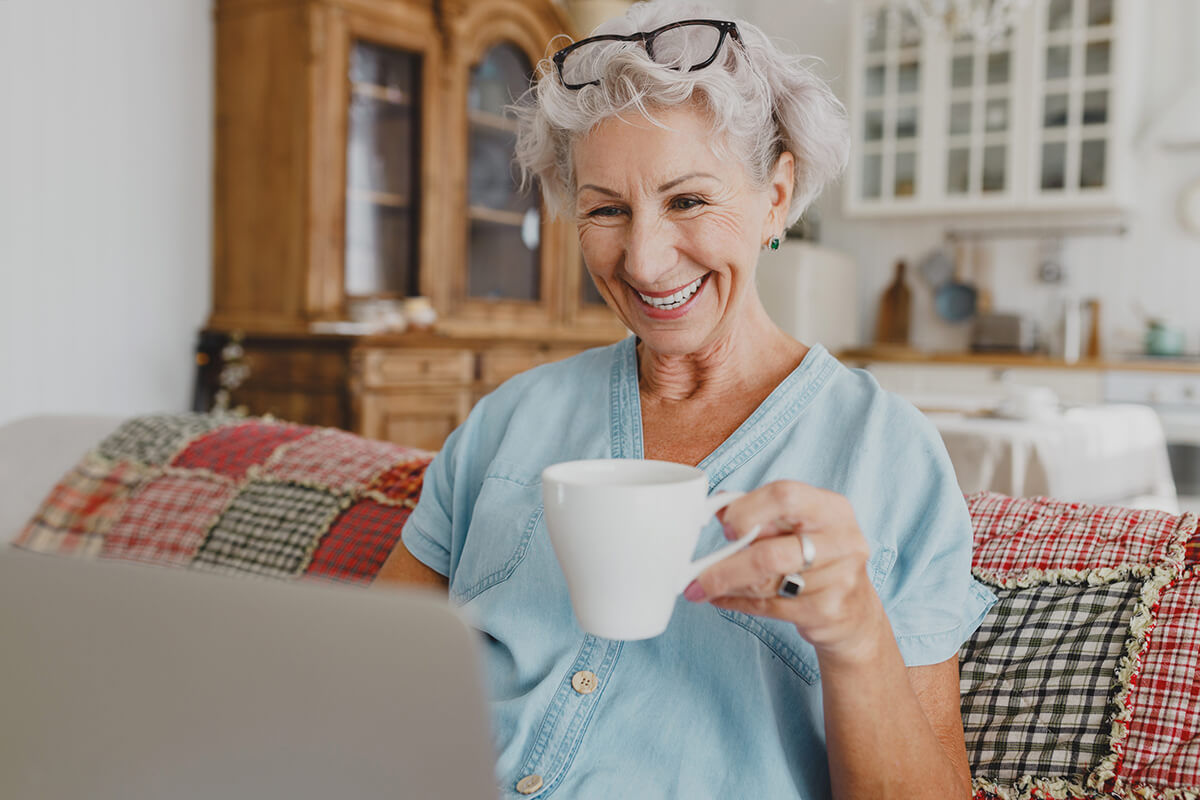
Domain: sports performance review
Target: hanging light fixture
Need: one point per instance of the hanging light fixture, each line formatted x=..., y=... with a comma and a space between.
x=982, y=20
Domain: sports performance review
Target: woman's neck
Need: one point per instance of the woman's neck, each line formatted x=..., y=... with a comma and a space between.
x=754, y=354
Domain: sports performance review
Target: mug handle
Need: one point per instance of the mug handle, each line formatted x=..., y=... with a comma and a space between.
x=711, y=506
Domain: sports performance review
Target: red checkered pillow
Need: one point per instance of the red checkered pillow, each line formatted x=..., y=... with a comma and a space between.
x=234, y=494
x=1084, y=680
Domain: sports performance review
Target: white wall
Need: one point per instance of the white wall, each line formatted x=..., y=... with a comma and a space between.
x=105, y=202
x=1155, y=266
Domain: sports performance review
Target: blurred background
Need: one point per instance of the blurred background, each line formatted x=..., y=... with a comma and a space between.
x=308, y=209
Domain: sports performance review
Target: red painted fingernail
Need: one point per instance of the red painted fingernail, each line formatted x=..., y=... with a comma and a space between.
x=694, y=592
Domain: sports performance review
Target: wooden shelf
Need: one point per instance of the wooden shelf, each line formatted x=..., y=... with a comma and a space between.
x=384, y=94
x=485, y=214
x=1000, y=360
x=388, y=199
x=490, y=121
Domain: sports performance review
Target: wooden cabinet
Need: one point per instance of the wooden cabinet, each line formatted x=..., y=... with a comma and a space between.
x=409, y=388
x=364, y=156
x=959, y=386
x=1038, y=120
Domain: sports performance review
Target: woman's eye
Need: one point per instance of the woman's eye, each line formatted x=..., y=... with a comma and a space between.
x=687, y=203
x=604, y=211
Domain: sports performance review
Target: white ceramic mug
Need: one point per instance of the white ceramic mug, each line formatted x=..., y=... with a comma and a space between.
x=624, y=531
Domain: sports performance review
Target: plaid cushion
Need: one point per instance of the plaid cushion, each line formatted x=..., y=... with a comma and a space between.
x=331, y=458
x=1082, y=682
x=400, y=485
x=1163, y=749
x=1039, y=671
x=270, y=529
x=165, y=522
x=82, y=508
x=233, y=494
x=359, y=541
x=155, y=439
x=1014, y=536
x=232, y=450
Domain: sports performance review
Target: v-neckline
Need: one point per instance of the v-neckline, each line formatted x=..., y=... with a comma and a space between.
x=777, y=411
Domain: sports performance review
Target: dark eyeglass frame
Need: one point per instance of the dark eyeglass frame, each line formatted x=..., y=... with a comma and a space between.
x=725, y=27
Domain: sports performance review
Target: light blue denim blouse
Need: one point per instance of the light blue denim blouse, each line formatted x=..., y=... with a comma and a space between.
x=722, y=704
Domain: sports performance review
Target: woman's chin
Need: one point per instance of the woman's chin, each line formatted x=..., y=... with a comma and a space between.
x=671, y=342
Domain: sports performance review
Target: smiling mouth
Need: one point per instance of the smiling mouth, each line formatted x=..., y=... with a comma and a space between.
x=676, y=298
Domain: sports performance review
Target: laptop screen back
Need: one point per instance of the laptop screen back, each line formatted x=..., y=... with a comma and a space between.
x=129, y=682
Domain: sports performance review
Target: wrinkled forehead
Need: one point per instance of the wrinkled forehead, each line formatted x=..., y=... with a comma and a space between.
x=643, y=151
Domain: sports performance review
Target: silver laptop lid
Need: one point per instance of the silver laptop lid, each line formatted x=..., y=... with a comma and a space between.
x=131, y=682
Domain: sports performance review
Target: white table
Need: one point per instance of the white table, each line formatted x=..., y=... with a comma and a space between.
x=1112, y=454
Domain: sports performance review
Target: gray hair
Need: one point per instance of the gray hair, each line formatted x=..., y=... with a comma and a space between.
x=761, y=100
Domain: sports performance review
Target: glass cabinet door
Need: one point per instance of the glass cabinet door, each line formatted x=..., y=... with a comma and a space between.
x=890, y=85
x=979, y=113
x=382, y=175
x=1074, y=122
x=505, y=223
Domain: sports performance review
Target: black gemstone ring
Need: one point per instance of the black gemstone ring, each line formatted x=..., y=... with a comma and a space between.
x=791, y=585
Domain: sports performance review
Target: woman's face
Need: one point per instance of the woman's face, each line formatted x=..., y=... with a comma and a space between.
x=669, y=231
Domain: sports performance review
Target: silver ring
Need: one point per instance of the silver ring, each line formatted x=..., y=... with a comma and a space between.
x=791, y=585
x=808, y=551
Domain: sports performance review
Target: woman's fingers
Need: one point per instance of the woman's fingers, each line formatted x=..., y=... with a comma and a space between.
x=784, y=507
x=812, y=543
x=806, y=531
x=756, y=570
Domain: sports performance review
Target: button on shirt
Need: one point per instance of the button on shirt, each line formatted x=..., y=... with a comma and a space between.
x=722, y=704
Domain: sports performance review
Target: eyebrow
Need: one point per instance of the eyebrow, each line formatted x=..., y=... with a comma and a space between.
x=666, y=187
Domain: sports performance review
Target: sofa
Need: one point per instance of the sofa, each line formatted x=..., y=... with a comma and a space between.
x=1082, y=682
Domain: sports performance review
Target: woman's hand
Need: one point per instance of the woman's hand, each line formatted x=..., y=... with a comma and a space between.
x=837, y=610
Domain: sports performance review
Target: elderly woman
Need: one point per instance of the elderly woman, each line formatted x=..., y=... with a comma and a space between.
x=820, y=660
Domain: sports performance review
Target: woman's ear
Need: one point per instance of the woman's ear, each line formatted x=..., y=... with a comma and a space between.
x=783, y=181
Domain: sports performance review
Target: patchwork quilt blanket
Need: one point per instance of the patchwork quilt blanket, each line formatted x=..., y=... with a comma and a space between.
x=1083, y=681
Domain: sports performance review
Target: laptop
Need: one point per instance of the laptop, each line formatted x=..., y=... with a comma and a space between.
x=120, y=681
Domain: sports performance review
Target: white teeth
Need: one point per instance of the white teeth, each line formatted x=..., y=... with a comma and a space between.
x=675, y=300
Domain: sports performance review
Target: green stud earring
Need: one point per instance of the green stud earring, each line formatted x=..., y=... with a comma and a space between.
x=774, y=242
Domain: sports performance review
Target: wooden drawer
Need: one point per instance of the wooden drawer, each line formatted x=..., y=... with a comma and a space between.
x=291, y=367
x=497, y=366
x=416, y=419
x=391, y=368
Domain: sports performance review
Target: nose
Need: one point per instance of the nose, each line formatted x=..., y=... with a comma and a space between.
x=649, y=251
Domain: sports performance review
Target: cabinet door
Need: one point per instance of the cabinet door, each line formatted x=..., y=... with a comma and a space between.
x=1074, y=386
x=938, y=387
x=1034, y=120
x=504, y=223
x=383, y=187
x=887, y=111
x=505, y=259
x=375, y=144
x=416, y=419
x=981, y=118
x=1075, y=94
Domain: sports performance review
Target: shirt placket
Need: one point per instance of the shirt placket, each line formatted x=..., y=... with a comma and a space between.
x=567, y=718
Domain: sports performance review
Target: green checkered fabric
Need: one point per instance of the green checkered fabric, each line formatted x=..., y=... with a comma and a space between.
x=154, y=439
x=1039, y=677
x=270, y=529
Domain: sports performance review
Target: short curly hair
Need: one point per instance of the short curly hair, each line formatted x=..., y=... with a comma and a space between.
x=761, y=100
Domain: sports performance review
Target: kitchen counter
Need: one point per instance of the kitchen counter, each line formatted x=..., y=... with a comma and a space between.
x=857, y=356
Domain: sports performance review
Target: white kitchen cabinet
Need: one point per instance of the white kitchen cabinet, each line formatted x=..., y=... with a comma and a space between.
x=1039, y=120
x=967, y=387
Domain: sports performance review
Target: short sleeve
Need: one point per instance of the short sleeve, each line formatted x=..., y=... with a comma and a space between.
x=932, y=600
x=428, y=534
